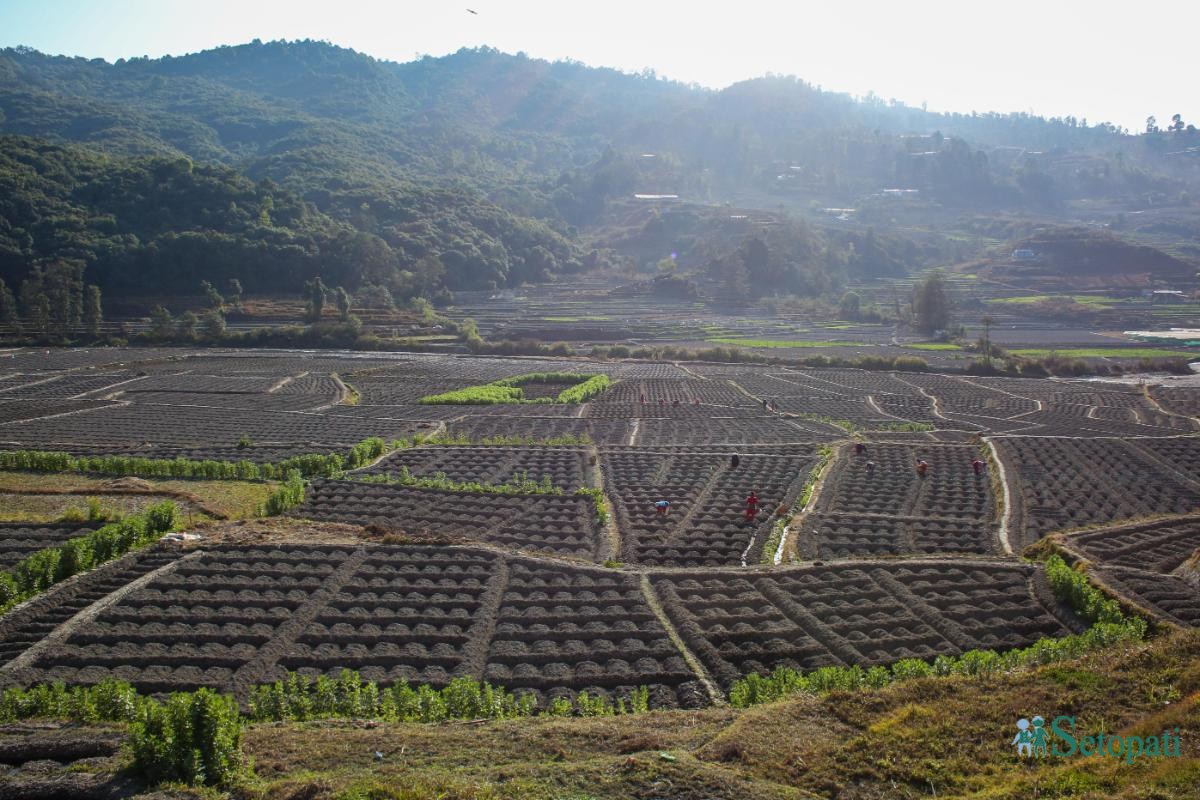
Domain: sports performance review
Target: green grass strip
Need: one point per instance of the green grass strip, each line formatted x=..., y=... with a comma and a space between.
x=933, y=346
x=1105, y=352
x=781, y=343
x=508, y=391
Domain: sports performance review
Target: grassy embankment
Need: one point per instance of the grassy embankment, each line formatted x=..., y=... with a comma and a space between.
x=944, y=737
x=40, y=497
x=1104, y=352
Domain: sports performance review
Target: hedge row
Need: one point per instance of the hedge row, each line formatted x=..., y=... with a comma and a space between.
x=192, y=737
x=507, y=391
x=521, y=483
x=308, y=465
x=462, y=439
x=1109, y=626
x=39, y=571
x=195, y=737
x=298, y=698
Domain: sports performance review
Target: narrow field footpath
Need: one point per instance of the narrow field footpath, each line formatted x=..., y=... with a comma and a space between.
x=714, y=693
x=1006, y=495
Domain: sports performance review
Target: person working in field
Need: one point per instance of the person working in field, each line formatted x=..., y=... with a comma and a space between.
x=662, y=507
x=922, y=467
x=870, y=467
x=751, y=506
x=859, y=448
x=977, y=465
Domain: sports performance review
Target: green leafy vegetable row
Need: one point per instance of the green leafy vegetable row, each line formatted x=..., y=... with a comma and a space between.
x=39, y=571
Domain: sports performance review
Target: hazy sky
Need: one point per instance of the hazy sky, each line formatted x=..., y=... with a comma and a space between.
x=1103, y=60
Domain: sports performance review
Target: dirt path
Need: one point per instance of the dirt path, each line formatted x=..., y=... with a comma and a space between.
x=1157, y=405
x=611, y=528
x=86, y=616
x=878, y=410
x=1006, y=515
x=714, y=693
x=109, y=388
x=475, y=651
x=66, y=413
x=797, y=520
x=255, y=671
x=689, y=372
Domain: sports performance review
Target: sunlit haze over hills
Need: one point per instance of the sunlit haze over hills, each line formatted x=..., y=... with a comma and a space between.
x=1097, y=61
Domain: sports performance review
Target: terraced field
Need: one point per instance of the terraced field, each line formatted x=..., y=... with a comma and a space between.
x=440, y=559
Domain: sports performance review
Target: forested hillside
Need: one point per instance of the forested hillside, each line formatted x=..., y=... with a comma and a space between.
x=276, y=162
x=163, y=224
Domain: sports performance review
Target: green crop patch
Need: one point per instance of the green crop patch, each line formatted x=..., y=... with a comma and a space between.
x=933, y=346
x=781, y=343
x=535, y=387
x=1083, y=299
x=1105, y=352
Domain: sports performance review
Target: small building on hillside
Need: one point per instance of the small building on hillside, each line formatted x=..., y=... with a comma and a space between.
x=1167, y=296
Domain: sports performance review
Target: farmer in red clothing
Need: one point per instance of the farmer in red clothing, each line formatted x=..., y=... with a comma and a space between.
x=977, y=465
x=751, y=506
x=922, y=467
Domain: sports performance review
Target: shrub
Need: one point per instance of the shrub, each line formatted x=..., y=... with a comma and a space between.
x=1072, y=587
x=110, y=701
x=193, y=738
x=285, y=498
x=598, y=502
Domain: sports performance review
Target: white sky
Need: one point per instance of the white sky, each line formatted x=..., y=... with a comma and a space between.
x=1102, y=60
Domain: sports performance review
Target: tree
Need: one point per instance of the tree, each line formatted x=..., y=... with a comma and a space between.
x=93, y=314
x=8, y=306
x=37, y=311
x=931, y=304
x=988, y=321
x=211, y=295
x=186, y=327
x=1151, y=125
x=213, y=325
x=235, y=292
x=851, y=305
x=735, y=286
x=344, y=303
x=317, y=292
x=161, y=324
x=1177, y=123
x=62, y=284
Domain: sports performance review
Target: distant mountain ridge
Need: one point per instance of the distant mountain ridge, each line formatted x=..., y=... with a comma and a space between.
x=480, y=169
